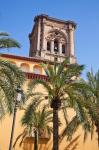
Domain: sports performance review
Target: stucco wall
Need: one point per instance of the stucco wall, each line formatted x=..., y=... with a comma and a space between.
x=6, y=122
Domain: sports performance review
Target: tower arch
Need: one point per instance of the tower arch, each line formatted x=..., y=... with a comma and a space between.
x=57, y=40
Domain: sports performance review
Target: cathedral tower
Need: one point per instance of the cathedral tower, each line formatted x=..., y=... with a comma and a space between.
x=52, y=39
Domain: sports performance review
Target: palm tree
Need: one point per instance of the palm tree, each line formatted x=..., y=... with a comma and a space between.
x=93, y=98
x=7, y=42
x=87, y=114
x=60, y=84
x=36, y=122
x=10, y=76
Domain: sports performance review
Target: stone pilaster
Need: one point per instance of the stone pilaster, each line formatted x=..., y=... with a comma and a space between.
x=71, y=41
x=43, y=34
x=38, y=39
x=52, y=46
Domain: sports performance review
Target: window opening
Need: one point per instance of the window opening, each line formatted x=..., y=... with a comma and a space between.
x=48, y=46
x=56, y=46
x=63, y=49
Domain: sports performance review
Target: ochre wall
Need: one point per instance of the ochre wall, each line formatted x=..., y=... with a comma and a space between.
x=6, y=122
x=5, y=130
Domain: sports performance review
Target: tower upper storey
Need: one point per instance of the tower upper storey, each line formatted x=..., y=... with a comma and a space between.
x=52, y=39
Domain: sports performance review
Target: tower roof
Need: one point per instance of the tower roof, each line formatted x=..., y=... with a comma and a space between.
x=55, y=19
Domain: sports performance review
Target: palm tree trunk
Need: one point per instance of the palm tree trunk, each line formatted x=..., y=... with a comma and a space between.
x=56, y=103
x=55, y=129
x=35, y=140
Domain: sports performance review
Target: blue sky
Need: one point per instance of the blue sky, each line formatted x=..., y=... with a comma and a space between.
x=16, y=17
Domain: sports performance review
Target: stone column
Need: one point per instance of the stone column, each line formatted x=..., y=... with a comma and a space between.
x=60, y=48
x=52, y=46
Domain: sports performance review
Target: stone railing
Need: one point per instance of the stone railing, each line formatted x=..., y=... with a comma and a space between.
x=35, y=76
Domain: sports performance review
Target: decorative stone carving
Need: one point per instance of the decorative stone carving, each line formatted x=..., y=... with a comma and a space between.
x=55, y=35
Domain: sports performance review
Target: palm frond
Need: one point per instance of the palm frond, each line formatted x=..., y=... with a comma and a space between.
x=28, y=116
x=10, y=77
x=62, y=67
x=4, y=34
x=9, y=94
x=18, y=74
x=2, y=106
x=36, y=82
x=65, y=113
x=8, y=43
x=70, y=129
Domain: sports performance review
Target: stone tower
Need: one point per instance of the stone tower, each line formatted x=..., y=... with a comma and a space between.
x=52, y=39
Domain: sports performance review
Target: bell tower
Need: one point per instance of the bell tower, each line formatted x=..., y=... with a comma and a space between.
x=52, y=39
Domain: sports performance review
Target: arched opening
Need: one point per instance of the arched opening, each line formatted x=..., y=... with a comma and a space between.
x=56, y=41
x=56, y=49
x=56, y=33
x=37, y=69
x=25, y=67
x=63, y=48
x=49, y=46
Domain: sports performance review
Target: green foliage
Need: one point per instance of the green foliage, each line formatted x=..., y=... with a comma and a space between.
x=59, y=79
x=70, y=129
x=87, y=106
x=35, y=118
x=63, y=84
x=7, y=42
x=10, y=78
x=93, y=99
